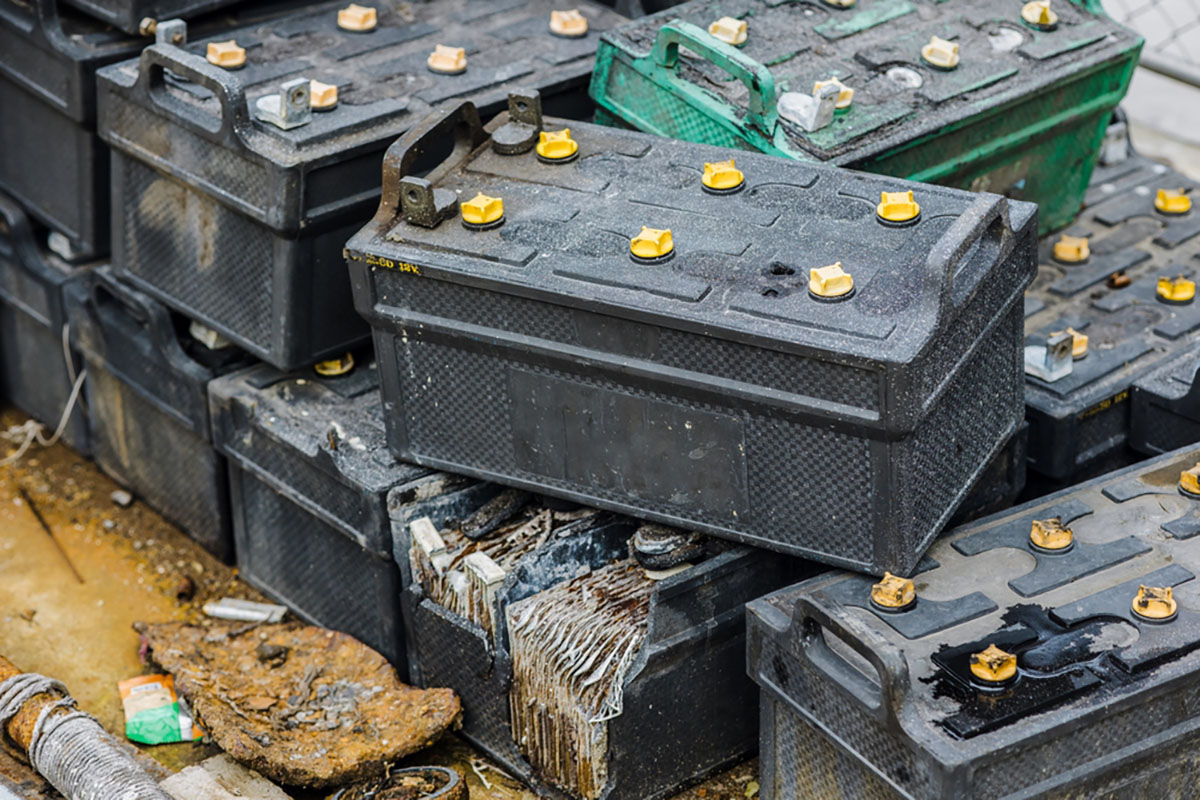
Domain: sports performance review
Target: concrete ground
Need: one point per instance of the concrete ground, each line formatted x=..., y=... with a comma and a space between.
x=77, y=570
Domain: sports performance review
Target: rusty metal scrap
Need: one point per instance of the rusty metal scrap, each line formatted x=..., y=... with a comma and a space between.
x=332, y=712
x=572, y=646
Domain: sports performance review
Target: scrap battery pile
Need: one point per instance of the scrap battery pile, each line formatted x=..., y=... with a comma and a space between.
x=644, y=378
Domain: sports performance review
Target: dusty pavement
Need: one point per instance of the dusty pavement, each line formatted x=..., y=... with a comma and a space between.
x=77, y=570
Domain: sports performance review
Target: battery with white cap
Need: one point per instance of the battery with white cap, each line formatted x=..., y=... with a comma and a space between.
x=778, y=353
x=276, y=136
x=1041, y=652
x=967, y=94
x=1113, y=309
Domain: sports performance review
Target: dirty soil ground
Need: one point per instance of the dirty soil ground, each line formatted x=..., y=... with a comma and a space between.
x=76, y=571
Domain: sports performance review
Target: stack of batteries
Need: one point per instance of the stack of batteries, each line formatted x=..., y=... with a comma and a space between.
x=534, y=345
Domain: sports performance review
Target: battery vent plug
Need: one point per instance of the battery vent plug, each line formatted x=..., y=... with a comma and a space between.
x=333, y=367
x=1072, y=249
x=1051, y=534
x=1038, y=15
x=322, y=96
x=897, y=207
x=940, y=53
x=357, y=19
x=1189, y=481
x=481, y=212
x=448, y=60
x=845, y=93
x=993, y=665
x=1172, y=202
x=555, y=147
x=1155, y=603
x=568, y=24
x=722, y=177
x=1176, y=291
x=652, y=244
x=227, y=55
x=729, y=30
x=893, y=593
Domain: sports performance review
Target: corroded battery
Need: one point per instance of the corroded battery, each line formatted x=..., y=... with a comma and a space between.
x=808, y=359
x=1114, y=298
x=38, y=369
x=147, y=403
x=310, y=475
x=1050, y=651
x=242, y=163
x=1011, y=98
x=581, y=671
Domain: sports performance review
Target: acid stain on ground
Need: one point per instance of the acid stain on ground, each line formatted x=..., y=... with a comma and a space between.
x=134, y=566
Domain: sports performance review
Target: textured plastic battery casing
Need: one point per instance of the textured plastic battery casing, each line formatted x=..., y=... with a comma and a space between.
x=686, y=709
x=50, y=157
x=709, y=390
x=859, y=702
x=310, y=473
x=34, y=374
x=1085, y=415
x=1000, y=483
x=239, y=223
x=147, y=404
x=1166, y=406
x=1022, y=113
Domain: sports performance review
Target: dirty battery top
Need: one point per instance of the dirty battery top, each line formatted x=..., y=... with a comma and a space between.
x=903, y=84
x=1114, y=297
x=793, y=257
x=1026, y=652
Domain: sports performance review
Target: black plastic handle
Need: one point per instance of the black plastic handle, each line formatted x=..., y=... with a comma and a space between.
x=234, y=118
x=108, y=298
x=462, y=122
x=984, y=233
x=881, y=699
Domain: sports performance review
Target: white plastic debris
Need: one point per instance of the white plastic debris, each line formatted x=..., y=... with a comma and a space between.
x=244, y=610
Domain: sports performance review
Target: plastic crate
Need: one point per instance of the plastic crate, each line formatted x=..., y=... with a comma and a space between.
x=50, y=157
x=678, y=706
x=1165, y=412
x=1079, y=410
x=310, y=475
x=708, y=390
x=861, y=700
x=239, y=223
x=1022, y=113
x=147, y=403
x=34, y=373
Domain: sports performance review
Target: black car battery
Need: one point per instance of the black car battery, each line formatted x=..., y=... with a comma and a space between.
x=596, y=656
x=1114, y=297
x=39, y=373
x=147, y=381
x=310, y=474
x=1165, y=414
x=242, y=166
x=1050, y=651
x=763, y=351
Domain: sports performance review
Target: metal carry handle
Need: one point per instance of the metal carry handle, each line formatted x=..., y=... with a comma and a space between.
x=757, y=78
x=985, y=222
x=461, y=122
x=882, y=699
x=234, y=118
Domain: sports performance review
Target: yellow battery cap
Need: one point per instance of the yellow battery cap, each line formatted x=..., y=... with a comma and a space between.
x=652, y=244
x=721, y=177
x=729, y=30
x=893, y=592
x=1189, y=481
x=1172, y=201
x=839, y=3
x=322, y=96
x=356, y=18
x=993, y=665
x=940, y=53
x=897, y=207
x=1051, y=534
x=228, y=55
x=569, y=24
x=448, y=60
x=830, y=282
x=1072, y=249
x=1037, y=14
x=557, y=146
x=845, y=93
x=1155, y=603
x=335, y=366
x=1176, y=291
x=482, y=211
